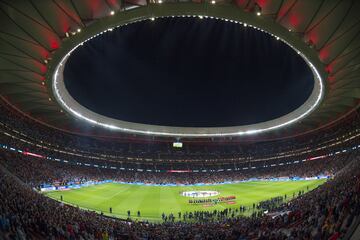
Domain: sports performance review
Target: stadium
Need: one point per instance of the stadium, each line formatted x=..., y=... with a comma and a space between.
x=189, y=119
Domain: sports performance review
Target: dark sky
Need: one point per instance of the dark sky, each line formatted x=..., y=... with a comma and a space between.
x=188, y=72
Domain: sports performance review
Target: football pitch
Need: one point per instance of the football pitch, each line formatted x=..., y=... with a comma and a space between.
x=152, y=201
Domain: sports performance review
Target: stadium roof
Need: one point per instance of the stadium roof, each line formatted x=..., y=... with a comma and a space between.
x=35, y=35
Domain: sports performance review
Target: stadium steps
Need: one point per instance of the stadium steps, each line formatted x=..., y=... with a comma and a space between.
x=16, y=178
x=353, y=233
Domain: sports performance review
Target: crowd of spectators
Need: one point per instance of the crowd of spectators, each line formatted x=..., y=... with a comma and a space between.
x=37, y=171
x=323, y=213
x=104, y=148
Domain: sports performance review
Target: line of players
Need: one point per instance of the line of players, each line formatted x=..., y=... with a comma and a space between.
x=213, y=201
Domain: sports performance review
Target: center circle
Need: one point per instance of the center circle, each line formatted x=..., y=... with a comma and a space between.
x=188, y=72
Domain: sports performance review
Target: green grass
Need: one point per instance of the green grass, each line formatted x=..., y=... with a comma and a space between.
x=152, y=201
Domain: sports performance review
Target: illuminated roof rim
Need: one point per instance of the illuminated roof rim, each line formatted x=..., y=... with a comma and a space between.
x=77, y=110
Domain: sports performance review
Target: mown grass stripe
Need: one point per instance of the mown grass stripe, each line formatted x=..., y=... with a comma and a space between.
x=152, y=201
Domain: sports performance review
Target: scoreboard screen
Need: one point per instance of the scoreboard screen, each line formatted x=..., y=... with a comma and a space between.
x=177, y=144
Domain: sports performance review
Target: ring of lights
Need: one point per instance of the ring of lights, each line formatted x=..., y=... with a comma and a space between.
x=223, y=12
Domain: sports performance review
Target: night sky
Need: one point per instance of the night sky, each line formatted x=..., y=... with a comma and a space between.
x=188, y=72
